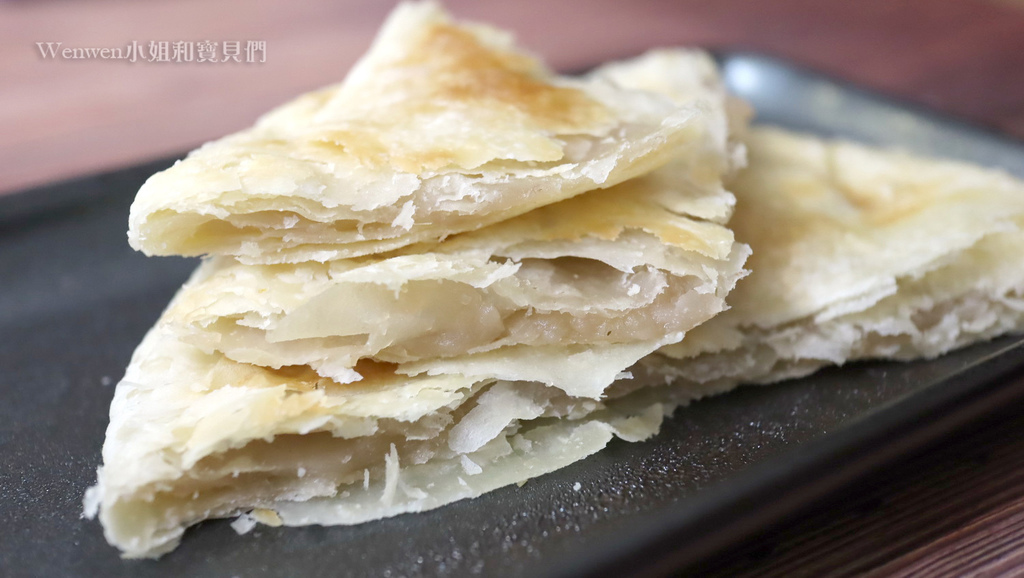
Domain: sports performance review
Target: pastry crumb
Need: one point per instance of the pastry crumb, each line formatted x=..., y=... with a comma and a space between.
x=267, y=516
x=243, y=524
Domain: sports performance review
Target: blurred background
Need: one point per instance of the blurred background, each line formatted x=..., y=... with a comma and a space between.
x=62, y=117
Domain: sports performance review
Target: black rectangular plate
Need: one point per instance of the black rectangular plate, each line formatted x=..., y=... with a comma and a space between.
x=75, y=300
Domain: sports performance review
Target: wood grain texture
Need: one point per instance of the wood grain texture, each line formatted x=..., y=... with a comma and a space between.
x=957, y=510
x=61, y=118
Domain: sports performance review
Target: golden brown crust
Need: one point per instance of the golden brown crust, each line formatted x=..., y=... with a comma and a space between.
x=443, y=127
x=444, y=67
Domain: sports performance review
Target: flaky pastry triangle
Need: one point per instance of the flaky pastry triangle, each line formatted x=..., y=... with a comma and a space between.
x=442, y=127
x=356, y=388
x=859, y=253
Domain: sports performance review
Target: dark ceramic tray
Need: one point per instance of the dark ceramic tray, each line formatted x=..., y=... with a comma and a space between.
x=75, y=300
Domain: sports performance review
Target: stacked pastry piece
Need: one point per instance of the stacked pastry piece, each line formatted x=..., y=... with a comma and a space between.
x=423, y=283
x=857, y=253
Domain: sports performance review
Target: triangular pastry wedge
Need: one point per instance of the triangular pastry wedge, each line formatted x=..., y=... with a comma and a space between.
x=359, y=388
x=194, y=436
x=441, y=128
x=626, y=265
x=859, y=253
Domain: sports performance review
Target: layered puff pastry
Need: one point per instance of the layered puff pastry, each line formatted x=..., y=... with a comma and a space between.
x=626, y=266
x=195, y=436
x=456, y=374
x=356, y=388
x=858, y=253
x=442, y=127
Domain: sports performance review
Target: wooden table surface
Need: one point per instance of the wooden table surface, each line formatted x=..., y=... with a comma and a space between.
x=955, y=510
